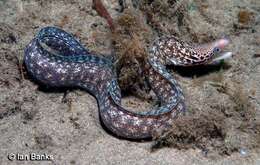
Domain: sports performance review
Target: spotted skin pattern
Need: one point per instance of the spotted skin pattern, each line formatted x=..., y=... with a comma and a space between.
x=56, y=59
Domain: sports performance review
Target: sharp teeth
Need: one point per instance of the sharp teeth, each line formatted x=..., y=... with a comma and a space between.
x=223, y=56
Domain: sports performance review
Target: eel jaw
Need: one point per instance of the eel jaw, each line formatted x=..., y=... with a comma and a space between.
x=222, y=56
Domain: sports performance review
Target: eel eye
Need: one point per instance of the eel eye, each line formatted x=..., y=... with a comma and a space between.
x=216, y=49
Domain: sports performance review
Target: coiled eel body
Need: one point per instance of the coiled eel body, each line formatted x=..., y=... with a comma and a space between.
x=55, y=58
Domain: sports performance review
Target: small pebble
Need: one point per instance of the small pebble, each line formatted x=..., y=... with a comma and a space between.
x=243, y=152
